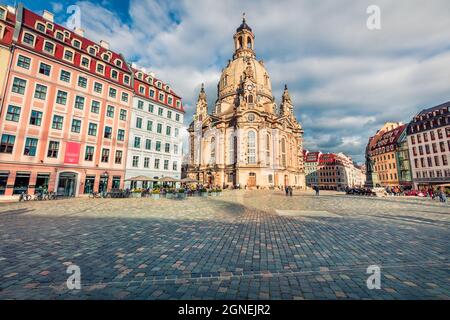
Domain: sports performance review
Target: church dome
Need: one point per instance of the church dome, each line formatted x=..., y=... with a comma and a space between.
x=233, y=74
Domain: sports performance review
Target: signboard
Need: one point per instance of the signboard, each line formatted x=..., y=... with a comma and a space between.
x=72, y=154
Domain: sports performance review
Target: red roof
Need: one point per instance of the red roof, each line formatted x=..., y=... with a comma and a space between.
x=29, y=20
x=327, y=158
x=9, y=30
x=153, y=85
x=388, y=141
x=312, y=157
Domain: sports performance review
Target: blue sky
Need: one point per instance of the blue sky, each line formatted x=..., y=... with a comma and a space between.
x=345, y=80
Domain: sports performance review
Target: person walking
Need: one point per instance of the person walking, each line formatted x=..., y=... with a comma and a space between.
x=290, y=191
x=442, y=195
x=286, y=190
x=316, y=188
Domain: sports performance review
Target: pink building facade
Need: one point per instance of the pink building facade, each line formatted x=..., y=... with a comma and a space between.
x=64, y=119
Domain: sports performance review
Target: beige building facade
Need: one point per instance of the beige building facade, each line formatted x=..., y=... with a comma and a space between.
x=247, y=140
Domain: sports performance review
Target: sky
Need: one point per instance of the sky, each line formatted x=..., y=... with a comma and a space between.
x=345, y=80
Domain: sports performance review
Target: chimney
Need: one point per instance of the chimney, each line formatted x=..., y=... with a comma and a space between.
x=47, y=15
x=79, y=31
x=104, y=44
x=11, y=9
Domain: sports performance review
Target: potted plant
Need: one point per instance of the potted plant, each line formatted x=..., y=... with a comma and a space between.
x=155, y=194
x=181, y=193
x=136, y=193
x=213, y=192
x=203, y=192
x=170, y=193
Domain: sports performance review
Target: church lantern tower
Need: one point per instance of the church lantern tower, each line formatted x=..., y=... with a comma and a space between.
x=244, y=41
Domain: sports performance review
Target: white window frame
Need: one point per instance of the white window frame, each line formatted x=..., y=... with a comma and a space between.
x=85, y=57
x=34, y=38
x=96, y=68
x=117, y=74
x=54, y=47
x=118, y=63
x=89, y=49
x=42, y=24
x=5, y=13
x=64, y=55
x=76, y=40
x=63, y=36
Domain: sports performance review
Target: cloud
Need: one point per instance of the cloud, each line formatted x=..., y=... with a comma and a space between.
x=345, y=80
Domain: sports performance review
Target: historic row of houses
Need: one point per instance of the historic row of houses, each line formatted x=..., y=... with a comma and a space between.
x=75, y=116
x=331, y=171
x=414, y=155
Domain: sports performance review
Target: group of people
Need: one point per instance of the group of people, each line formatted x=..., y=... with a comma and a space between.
x=439, y=192
x=288, y=190
x=394, y=191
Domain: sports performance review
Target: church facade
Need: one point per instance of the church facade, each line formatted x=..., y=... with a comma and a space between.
x=246, y=140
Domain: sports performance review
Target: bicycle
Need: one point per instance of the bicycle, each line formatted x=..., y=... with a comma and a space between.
x=94, y=195
x=38, y=196
x=24, y=196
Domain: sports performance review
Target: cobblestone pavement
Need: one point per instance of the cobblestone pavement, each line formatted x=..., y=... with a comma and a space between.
x=241, y=245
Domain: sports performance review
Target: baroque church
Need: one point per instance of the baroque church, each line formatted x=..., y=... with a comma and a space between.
x=246, y=140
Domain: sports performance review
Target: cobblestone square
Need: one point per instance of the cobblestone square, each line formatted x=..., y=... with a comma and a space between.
x=240, y=245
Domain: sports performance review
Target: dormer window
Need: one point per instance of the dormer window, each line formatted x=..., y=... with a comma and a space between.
x=59, y=36
x=150, y=80
x=50, y=26
x=28, y=39
x=139, y=76
x=68, y=55
x=2, y=14
x=76, y=44
x=92, y=51
x=167, y=88
x=85, y=62
x=49, y=47
x=105, y=57
x=67, y=34
x=100, y=68
x=40, y=27
x=119, y=63
x=159, y=84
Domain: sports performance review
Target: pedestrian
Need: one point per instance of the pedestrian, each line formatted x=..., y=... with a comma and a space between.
x=317, y=190
x=290, y=191
x=442, y=195
x=286, y=190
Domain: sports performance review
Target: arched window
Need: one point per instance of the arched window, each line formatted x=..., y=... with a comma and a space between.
x=213, y=150
x=251, y=147
x=268, y=149
x=250, y=98
x=283, y=152
x=240, y=42
x=249, y=43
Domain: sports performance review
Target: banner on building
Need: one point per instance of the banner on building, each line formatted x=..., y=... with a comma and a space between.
x=72, y=154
